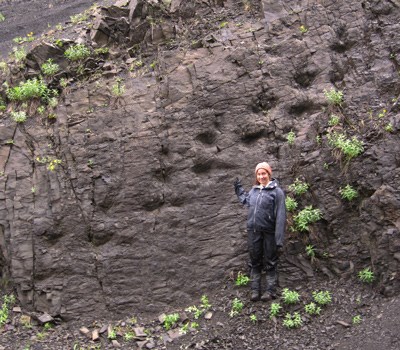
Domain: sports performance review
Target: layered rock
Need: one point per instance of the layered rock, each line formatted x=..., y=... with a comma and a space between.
x=141, y=214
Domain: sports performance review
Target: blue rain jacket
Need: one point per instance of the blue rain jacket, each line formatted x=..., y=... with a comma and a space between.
x=266, y=209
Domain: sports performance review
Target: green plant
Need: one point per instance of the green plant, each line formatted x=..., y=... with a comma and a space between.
x=8, y=301
x=349, y=147
x=19, y=117
x=290, y=296
x=223, y=24
x=19, y=54
x=356, y=319
x=290, y=203
x=292, y=321
x=112, y=334
x=310, y=251
x=334, y=97
x=366, y=275
x=348, y=193
x=170, y=320
x=237, y=307
x=49, y=68
x=3, y=66
x=41, y=335
x=101, y=51
x=153, y=65
x=242, y=280
x=195, y=310
x=63, y=83
x=205, y=304
x=30, y=89
x=77, y=52
x=291, y=137
x=118, y=88
x=303, y=29
x=382, y=113
x=312, y=309
x=334, y=120
x=9, y=142
x=274, y=310
x=322, y=297
x=2, y=18
x=298, y=187
x=306, y=217
x=129, y=336
x=389, y=127
x=253, y=318
x=80, y=17
x=47, y=326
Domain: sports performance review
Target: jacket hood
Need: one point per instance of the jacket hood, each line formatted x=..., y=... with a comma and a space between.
x=273, y=184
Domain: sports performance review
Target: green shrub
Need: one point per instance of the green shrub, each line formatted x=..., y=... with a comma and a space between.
x=292, y=321
x=290, y=203
x=349, y=147
x=274, y=310
x=19, y=117
x=118, y=88
x=8, y=301
x=366, y=275
x=334, y=97
x=30, y=89
x=312, y=309
x=19, y=54
x=77, y=52
x=242, y=280
x=310, y=251
x=170, y=320
x=49, y=68
x=291, y=137
x=356, y=319
x=322, y=297
x=334, y=120
x=306, y=217
x=237, y=307
x=348, y=193
x=298, y=187
x=290, y=296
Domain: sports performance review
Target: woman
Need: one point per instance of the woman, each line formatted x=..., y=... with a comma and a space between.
x=266, y=223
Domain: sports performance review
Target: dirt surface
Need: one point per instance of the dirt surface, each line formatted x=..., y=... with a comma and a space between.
x=252, y=328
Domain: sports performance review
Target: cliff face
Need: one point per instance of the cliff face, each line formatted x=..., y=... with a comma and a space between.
x=141, y=212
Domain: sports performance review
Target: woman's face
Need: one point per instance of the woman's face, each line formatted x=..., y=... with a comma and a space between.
x=262, y=177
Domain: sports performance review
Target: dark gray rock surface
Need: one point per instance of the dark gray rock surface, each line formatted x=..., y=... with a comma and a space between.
x=141, y=214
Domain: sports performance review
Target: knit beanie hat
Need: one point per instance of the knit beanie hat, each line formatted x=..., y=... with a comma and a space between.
x=265, y=166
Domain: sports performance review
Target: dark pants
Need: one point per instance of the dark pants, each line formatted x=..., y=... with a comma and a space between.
x=263, y=256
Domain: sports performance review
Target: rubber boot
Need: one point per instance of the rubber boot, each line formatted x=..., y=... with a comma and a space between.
x=271, y=284
x=255, y=284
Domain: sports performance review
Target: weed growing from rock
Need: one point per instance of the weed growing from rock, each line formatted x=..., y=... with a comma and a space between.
x=292, y=321
x=111, y=334
x=19, y=54
x=77, y=52
x=310, y=251
x=50, y=68
x=32, y=88
x=356, y=319
x=303, y=29
x=290, y=296
x=242, y=280
x=334, y=97
x=291, y=137
x=389, y=127
x=348, y=193
x=306, y=217
x=290, y=203
x=2, y=18
x=366, y=275
x=170, y=320
x=19, y=117
x=237, y=307
x=253, y=318
x=8, y=302
x=322, y=297
x=298, y=187
x=118, y=89
x=274, y=310
x=334, y=120
x=349, y=147
x=312, y=309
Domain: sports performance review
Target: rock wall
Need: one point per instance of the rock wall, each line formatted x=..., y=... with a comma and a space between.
x=141, y=216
